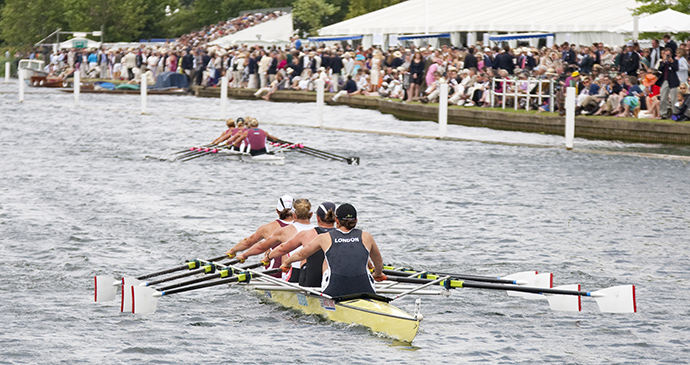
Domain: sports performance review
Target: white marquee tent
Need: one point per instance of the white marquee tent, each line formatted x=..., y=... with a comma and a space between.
x=79, y=42
x=581, y=22
x=273, y=32
x=667, y=21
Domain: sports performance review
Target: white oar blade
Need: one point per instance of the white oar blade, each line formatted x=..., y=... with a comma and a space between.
x=566, y=303
x=618, y=299
x=544, y=280
x=144, y=300
x=126, y=302
x=524, y=276
x=104, y=289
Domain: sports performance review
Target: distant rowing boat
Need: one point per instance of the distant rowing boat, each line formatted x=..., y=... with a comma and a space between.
x=267, y=158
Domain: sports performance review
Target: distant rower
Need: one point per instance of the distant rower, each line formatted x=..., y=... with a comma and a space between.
x=255, y=137
x=233, y=128
x=347, y=253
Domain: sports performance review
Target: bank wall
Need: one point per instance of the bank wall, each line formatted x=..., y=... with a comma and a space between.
x=585, y=127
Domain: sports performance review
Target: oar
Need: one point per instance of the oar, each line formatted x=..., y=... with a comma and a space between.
x=323, y=154
x=617, y=299
x=209, y=268
x=530, y=278
x=192, y=149
x=222, y=273
x=197, y=152
x=511, y=279
x=210, y=151
x=105, y=287
x=145, y=299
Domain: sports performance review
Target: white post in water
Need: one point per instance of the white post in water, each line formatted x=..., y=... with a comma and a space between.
x=7, y=72
x=443, y=110
x=569, y=118
x=319, y=101
x=223, y=96
x=20, y=73
x=144, y=85
x=77, y=86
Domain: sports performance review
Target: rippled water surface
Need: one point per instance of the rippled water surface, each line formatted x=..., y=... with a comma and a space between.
x=83, y=193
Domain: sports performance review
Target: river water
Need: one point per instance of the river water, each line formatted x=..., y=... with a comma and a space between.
x=86, y=191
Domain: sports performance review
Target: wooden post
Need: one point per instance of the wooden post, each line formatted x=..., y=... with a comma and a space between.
x=319, y=101
x=443, y=110
x=20, y=73
x=144, y=87
x=223, y=96
x=569, y=118
x=77, y=86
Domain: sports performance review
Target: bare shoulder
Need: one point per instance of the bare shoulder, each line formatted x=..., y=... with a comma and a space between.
x=268, y=228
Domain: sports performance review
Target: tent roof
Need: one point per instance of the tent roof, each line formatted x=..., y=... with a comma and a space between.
x=88, y=42
x=667, y=21
x=273, y=31
x=488, y=16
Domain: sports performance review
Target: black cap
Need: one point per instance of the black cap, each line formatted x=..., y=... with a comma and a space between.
x=324, y=208
x=346, y=212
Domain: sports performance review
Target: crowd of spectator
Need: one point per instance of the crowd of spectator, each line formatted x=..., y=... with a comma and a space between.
x=621, y=81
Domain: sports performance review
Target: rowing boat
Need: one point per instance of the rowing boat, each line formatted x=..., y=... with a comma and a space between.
x=368, y=310
x=267, y=158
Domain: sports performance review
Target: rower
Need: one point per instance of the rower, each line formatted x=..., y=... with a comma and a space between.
x=256, y=138
x=347, y=253
x=311, y=269
x=233, y=128
x=284, y=210
x=237, y=136
x=301, y=211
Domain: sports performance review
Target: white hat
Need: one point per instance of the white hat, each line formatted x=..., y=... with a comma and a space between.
x=487, y=49
x=285, y=202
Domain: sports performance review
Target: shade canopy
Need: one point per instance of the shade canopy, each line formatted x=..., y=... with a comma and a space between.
x=416, y=17
x=667, y=21
x=272, y=32
x=511, y=37
x=79, y=42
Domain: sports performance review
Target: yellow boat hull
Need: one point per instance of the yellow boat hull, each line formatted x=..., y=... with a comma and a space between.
x=377, y=315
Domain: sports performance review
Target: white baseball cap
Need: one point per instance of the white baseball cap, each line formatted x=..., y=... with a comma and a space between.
x=285, y=202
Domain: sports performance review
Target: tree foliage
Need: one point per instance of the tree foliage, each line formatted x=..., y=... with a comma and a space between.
x=309, y=15
x=655, y=6
x=25, y=22
x=361, y=7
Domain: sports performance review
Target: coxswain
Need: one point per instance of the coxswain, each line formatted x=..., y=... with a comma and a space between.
x=347, y=253
x=284, y=210
x=255, y=137
x=233, y=128
x=311, y=269
x=301, y=211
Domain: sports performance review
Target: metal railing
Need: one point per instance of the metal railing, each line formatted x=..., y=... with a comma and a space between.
x=516, y=92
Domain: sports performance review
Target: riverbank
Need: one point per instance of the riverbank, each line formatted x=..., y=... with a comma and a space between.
x=606, y=128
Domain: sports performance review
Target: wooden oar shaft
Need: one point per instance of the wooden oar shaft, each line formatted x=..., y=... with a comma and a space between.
x=485, y=279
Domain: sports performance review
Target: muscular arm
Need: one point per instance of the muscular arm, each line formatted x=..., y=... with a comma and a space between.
x=374, y=253
x=322, y=241
x=261, y=233
x=294, y=242
x=282, y=234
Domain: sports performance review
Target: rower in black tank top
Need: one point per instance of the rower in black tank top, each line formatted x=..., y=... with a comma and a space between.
x=347, y=265
x=311, y=273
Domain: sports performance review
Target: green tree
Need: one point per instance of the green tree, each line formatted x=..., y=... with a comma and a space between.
x=309, y=15
x=25, y=22
x=124, y=20
x=655, y=6
x=361, y=7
